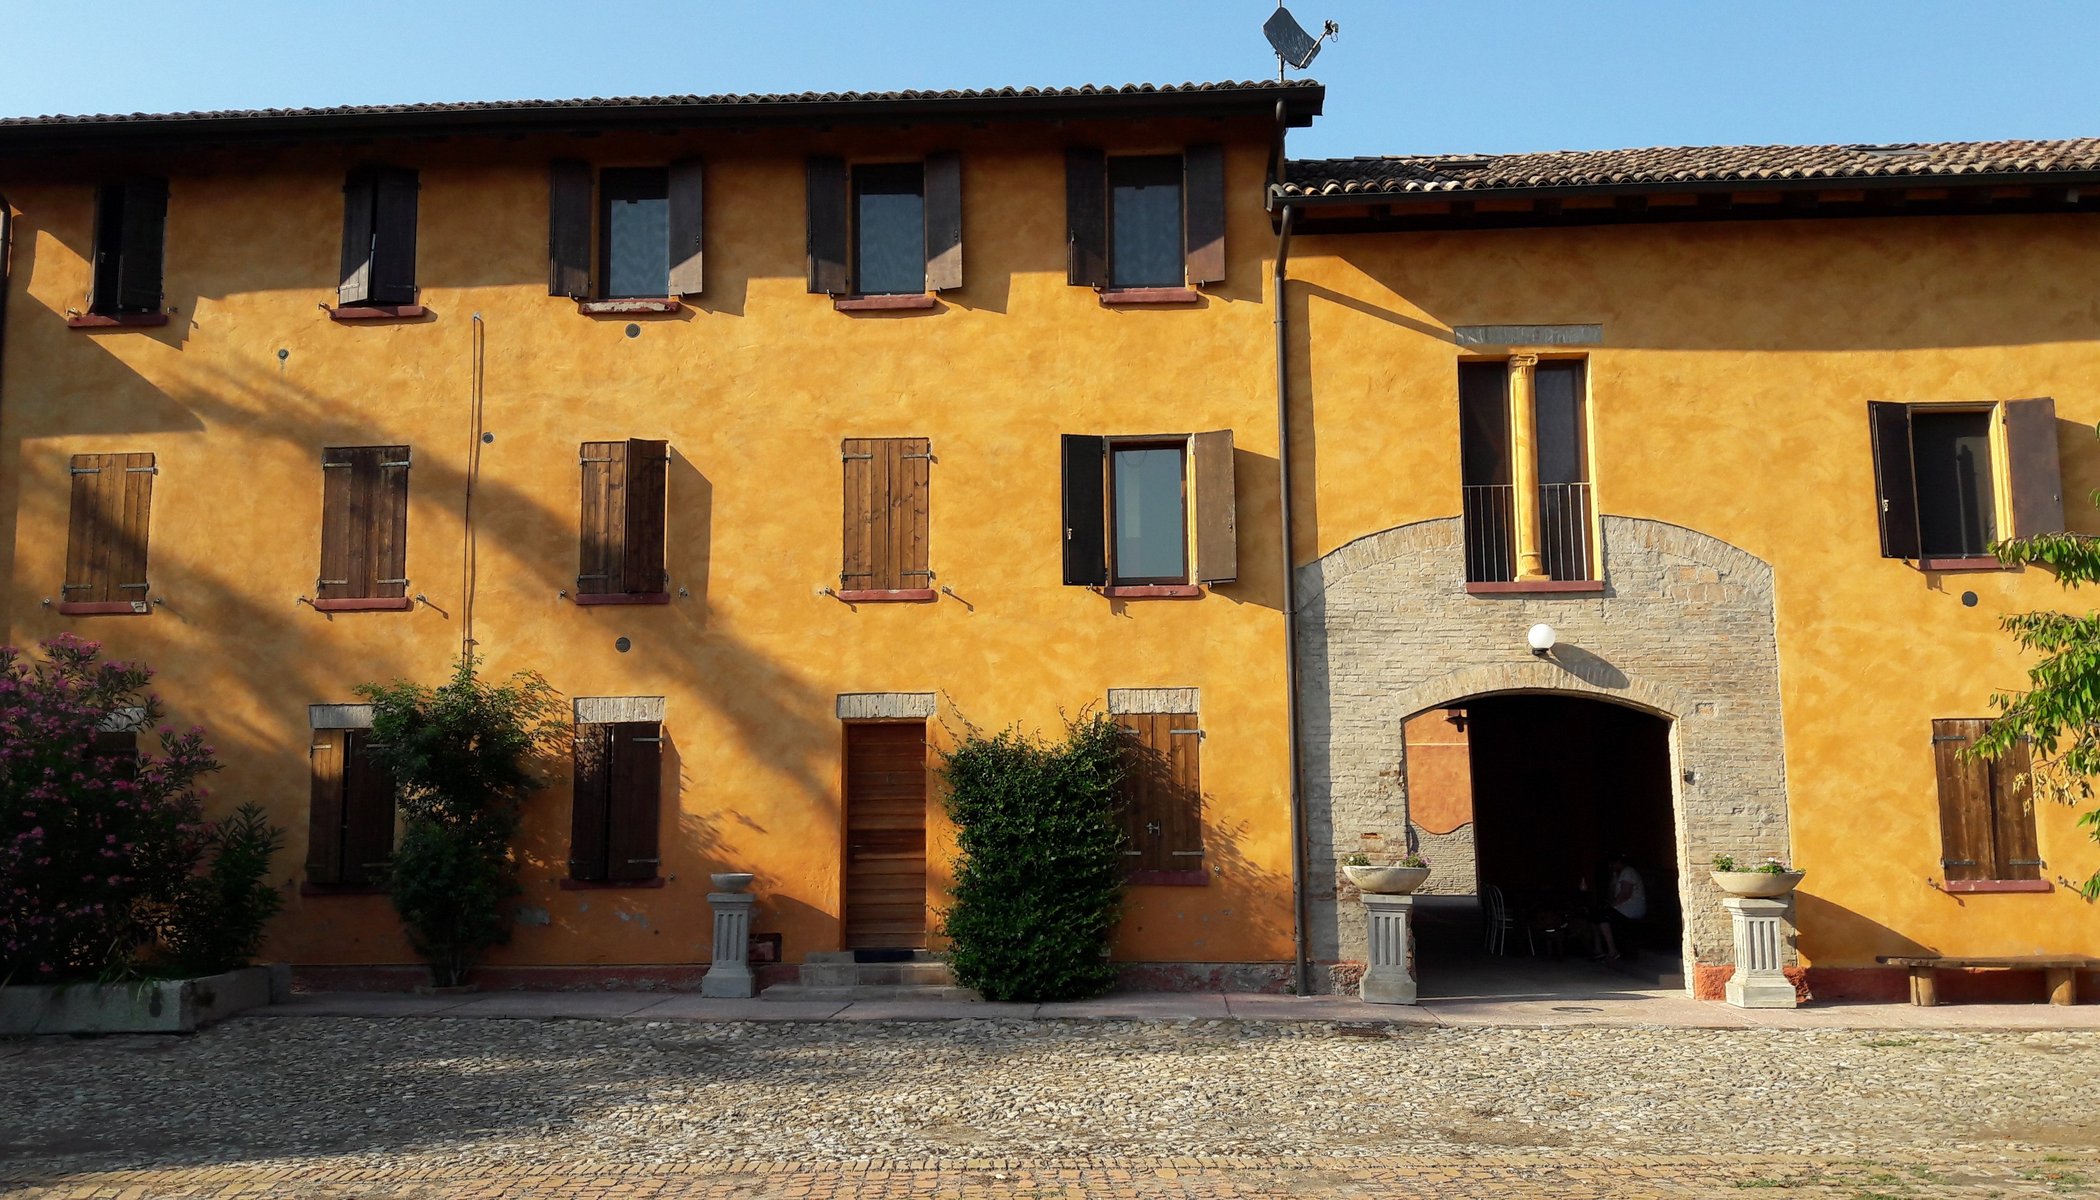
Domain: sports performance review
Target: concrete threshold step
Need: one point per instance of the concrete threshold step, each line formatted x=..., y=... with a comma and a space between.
x=860, y=992
x=929, y=974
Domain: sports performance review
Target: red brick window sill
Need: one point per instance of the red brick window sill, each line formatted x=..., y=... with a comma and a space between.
x=1153, y=591
x=1989, y=886
x=615, y=308
x=1974, y=562
x=1141, y=297
x=365, y=604
x=341, y=889
x=377, y=312
x=1535, y=586
x=591, y=599
x=888, y=595
x=1196, y=878
x=116, y=320
x=104, y=608
x=851, y=304
x=604, y=885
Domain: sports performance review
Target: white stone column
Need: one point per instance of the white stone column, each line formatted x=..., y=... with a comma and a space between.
x=729, y=975
x=1389, y=978
x=1760, y=952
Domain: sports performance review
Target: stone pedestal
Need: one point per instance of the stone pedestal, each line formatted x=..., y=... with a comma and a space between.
x=1389, y=977
x=729, y=975
x=1760, y=952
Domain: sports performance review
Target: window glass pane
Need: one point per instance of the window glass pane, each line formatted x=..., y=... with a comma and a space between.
x=1483, y=423
x=1151, y=523
x=1957, y=512
x=889, y=224
x=636, y=233
x=1557, y=401
x=1145, y=243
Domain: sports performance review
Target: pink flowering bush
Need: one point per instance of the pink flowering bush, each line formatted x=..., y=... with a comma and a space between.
x=98, y=846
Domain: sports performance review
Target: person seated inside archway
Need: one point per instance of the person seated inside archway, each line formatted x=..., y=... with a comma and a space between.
x=1625, y=904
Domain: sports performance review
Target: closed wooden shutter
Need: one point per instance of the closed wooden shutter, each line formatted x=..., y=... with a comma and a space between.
x=2031, y=460
x=601, y=566
x=2014, y=848
x=569, y=229
x=140, y=257
x=1086, y=217
x=1162, y=795
x=1084, y=459
x=829, y=201
x=686, y=195
x=1895, y=486
x=633, y=800
x=888, y=485
x=593, y=769
x=394, y=237
x=1203, y=169
x=368, y=811
x=1987, y=828
x=364, y=522
x=944, y=244
x=324, y=818
x=112, y=506
x=355, y=279
x=642, y=519
x=1217, y=509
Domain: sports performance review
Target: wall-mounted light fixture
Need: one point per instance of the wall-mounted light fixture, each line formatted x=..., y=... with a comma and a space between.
x=1541, y=639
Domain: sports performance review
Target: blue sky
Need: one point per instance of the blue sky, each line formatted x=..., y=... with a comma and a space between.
x=1406, y=76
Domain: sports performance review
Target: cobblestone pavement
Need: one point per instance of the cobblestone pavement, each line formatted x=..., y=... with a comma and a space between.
x=339, y=1107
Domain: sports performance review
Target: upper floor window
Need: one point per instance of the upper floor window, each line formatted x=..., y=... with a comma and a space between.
x=1135, y=508
x=624, y=233
x=885, y=228
x=112, y=511
x=364, y=528
x=379, y=237
x=1524, y=471
x=130, y=228
x=1951, y=479
x=888, y=511
x=622, y=545
x=1145, y=221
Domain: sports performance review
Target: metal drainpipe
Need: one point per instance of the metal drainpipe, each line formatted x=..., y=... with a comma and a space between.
x=1301, y=976
x=7, y=229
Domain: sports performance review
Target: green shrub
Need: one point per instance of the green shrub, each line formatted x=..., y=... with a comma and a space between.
x=1039, y=882
x=218, y=919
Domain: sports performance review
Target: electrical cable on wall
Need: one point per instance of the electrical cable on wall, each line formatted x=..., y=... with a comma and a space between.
x=476, y=391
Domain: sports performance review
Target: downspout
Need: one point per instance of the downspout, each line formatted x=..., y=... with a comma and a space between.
x=7, y=229
x=1301, y=975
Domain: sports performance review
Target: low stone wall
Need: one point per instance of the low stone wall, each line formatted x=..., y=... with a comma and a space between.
x=148, y=1006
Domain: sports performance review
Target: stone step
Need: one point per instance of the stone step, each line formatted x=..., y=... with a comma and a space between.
x=862, y=992
x=919, y=974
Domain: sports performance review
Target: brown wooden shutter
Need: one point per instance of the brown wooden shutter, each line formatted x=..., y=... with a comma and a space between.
x=1895, y=486
x=139, y=260
x=2016, y=854
x=633, y=801
x=1966, y=850
x=1162, y=791
x=394, y=237
x=1203, y=169
x=593, y=768
x=1086, y=217
x=863, y=509
x=642, y=521
x=686, y=194
x=112, y=506
x=887, y=510
x=829, y=202
x=324, y=819
x=1085, y=510
x=2031, y=459
x=390, y=524
x=1217, y=511
x=569, y=229
x=911, y=511
x=368, y=811
x=944, y=244
x=342, y=532
x=601, y=564
x=364, y=522
x=355, y=279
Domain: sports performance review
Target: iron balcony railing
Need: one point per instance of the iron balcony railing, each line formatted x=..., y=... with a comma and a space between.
x=1491, y=531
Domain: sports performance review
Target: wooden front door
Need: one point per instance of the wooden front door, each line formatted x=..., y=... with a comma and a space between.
x=886, y=836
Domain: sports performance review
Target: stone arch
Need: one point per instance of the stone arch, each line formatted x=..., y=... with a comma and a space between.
x=1684, y=627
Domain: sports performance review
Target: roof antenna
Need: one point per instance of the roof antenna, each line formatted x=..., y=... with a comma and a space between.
x=1294, y=47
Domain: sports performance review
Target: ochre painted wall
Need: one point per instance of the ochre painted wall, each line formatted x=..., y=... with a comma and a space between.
x=753, y=387
x=1729, y=396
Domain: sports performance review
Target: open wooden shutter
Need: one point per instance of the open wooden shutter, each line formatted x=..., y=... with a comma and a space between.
x=355, y=279
x=1085, y=502
x=944, y=245
x=633, y=800
x=642, y=521
x=1086, y=217
x=569, y=229
x=324, y=819
x=2037, y=477
x=601, y=564
x=368, y=811
x=2016, y=853
x=1895, y=486
x=1966, y=835
x=1203, y=170
x=1162, y=792
x=1217, y=511
x=394, y=237
x=829, y=202
x=593, y=769
x=140, y=255
x=686, y=193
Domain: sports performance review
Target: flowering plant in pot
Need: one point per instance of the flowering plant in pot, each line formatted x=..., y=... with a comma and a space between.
x=1389, y=879
x=1768, y=880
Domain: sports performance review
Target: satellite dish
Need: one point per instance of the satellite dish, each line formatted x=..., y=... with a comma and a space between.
x=1294, y=47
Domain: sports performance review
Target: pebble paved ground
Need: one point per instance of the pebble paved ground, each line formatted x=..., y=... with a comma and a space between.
x=425, y=1107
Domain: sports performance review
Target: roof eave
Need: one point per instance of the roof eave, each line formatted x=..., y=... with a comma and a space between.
x=1694, y=186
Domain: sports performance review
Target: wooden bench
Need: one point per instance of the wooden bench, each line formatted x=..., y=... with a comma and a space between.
x=2059, y=971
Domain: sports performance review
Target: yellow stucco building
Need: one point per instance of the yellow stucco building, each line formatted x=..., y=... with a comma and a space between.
x=786, y=434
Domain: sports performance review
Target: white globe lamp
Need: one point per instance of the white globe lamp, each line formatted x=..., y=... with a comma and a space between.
x=1541, y=639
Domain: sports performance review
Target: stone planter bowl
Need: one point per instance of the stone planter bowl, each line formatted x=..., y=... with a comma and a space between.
x=732, y=881
x=1386, y=881
x=1758, y=885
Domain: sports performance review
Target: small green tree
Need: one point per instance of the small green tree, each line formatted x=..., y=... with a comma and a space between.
x=462, y=756
x=1040, y=880
x=2059, y=713
x=217, y=920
